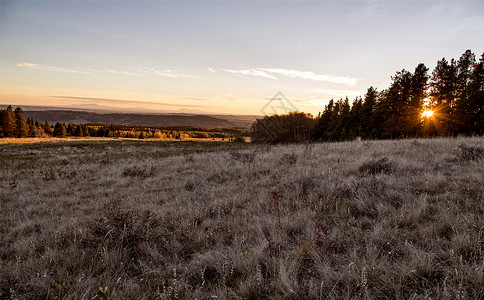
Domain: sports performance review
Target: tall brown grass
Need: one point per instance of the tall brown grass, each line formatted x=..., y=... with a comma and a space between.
x=356, y=220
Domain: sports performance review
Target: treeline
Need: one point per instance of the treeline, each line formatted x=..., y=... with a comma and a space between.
x=142, y=132
x=452, y=98
x=14, y=125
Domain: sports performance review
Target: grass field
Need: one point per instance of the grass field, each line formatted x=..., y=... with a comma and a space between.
x=4, y=141
x=186, y=220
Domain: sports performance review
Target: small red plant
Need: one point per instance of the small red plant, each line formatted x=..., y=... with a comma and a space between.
x=321, y=235
x=276, y=196
x=141, y=251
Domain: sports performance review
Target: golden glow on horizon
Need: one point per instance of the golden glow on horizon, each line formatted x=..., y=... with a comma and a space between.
x=146, y=104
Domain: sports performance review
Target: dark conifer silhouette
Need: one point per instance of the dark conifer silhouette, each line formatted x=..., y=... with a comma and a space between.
x=418, y=93
x=60, y=130
x=47, y=128
x=21, y=127
x=8, y=122
x=294, y=127
x=443, y=91
x=366, y=119
x=454, y=93
x=77, y=131
x=475, y=113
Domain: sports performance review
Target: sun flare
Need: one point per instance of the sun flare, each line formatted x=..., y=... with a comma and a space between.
x=428, y=113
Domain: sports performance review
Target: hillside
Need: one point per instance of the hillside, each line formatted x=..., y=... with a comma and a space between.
x=156, y=120
x=183, y=220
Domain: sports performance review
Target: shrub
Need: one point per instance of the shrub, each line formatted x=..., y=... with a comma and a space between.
x=294, y=127
x=468, y=153
x=289, y=159
x=245, y=157
x=139, y=172
x=377, y=166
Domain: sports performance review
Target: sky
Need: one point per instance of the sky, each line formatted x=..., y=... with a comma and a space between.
x=225, y=57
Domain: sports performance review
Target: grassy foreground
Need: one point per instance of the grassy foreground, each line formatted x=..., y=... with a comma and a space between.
x=185, y=220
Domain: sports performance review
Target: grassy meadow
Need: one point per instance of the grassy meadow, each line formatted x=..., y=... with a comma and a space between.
x=187, y=220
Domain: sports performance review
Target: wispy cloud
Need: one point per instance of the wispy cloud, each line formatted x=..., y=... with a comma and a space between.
x=27, y=65
x=53, y=69
x=136, y=72
x=165, y=73
x=272, y=73
x=127, y=73
x=251, y=72
x=312, y=76
x=129, y=102
x=212, y=70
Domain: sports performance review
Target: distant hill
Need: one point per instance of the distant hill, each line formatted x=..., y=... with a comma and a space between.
x=83, y=117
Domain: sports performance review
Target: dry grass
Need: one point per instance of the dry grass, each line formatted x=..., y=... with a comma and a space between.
x=29, y=140
x=128, y=219
x=4, y=141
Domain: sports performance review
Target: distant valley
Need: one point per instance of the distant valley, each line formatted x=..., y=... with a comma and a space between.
x=42, y=114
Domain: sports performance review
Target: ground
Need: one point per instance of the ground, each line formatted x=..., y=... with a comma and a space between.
x=399, y=219
x=4, y=141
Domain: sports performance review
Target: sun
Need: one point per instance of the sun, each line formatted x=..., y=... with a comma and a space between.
x=428, y=113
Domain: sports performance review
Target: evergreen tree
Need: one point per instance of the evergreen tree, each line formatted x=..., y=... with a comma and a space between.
x=31, y=125
x=294, y=127
x=354, y=126
x=21, y=127
x=47, y=128
x=8, y=122
x=443, y=91
x=464, y=110
x=77, y=131
x=70, y=129
x=85, y=130
x=2, y=116
x=395, y=102
x=367, y=111
x=60, y=130
x=344, y=119
x=413, y=112
x=332, y=131
x=476, y=98
x=377, y=120
x=322, y=122
x=35, y=129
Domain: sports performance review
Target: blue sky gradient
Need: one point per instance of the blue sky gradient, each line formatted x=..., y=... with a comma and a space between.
x=222, y=56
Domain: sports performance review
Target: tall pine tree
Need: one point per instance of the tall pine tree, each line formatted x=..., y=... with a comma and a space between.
x=395, y=103
x=8, y=122
x=464, y=109
x=443, y=92
x=48, y=128
x=418, y=93
x=60, y=130
x=21, y=127
x=367, y=111
x=476, y=98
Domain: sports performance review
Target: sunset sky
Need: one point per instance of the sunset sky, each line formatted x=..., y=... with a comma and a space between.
x=221, y=56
